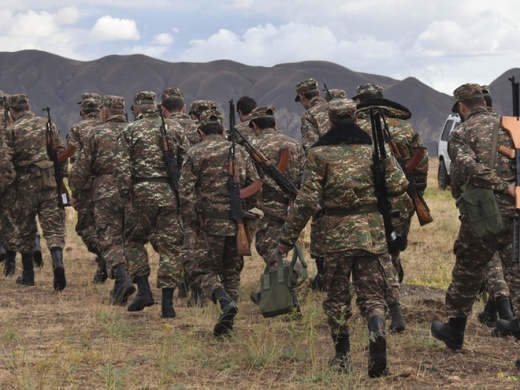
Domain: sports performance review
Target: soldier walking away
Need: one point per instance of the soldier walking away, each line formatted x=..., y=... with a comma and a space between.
x=174, y=108
x=245, y=105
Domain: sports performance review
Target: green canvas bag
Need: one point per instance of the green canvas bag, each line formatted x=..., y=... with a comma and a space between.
x=480, y=207
x=277, y=287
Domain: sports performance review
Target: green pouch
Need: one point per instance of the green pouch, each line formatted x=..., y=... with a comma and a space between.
x=277, y=287
x=480, y=207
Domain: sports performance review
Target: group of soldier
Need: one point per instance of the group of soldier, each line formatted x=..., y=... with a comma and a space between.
x=170, y=178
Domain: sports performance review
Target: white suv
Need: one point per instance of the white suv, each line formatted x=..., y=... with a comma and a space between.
x=443, y=174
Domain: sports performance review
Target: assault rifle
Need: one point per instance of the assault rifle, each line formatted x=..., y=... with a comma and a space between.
x=234, y=188
x=169, y=156
x=395, y=242
x=52, y=152
x=328, y=96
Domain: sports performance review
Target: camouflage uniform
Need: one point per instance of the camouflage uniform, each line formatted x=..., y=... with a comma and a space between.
x=245, y=105
x=90, y=103
x=188, y=124
x=6, y=225
x=335, y=94
x=338, y=176
x=197, y=107
x=96, y=163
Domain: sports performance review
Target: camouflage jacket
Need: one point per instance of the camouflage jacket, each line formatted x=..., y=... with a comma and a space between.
x=189, y=127
x=141, y=173
x=338, y=176
x=270, y=143
x=315, y=122
x=97, y=159
x=204, y=184
x=25, y=145
x=246, y=131
x=78, y=132
x=469, y=148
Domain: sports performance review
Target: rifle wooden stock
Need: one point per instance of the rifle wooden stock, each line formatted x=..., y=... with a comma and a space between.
x=511, y=124
x=421, y=208
x=243, y=247
x=66, y=154
x=416, y=158
x=506, y=151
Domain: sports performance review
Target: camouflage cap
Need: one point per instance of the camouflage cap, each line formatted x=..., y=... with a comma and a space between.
x=112, y=101
x=368, y=90
x=341, y=108
x=304, y=87
x=198, y=106
x=262, y=112
x=145, y=97
x=211, y=117
x=18, y=99
x=336, y=94
x=464, y=92
x=172, y=92
x=90, y=100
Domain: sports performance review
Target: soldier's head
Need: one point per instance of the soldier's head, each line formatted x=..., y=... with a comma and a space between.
x=486, y=91
x=468, y=97
x=112, y=105
x=199, y=106
x=245, y=105
x=306, y=90
x=335, y=94
x=18, y=104
x=368, y=91
x=89, y=104
x=144, y=102
x=211, y=122
x=342, y=111
x=172, y=100
x=262, y=118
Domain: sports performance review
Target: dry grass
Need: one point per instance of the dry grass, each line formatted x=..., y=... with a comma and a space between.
x=76, y=340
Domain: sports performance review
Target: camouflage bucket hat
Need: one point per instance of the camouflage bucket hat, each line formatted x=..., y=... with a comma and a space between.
x=336, y=94
x=18, y=99
x=262, y=112
x=341, y=109
x=112, y=101
x=199, y=106
x=464, y=92
x=211, y=117
x=368, y=90
x=304, y=87
x=145, y=97
x=172, y=93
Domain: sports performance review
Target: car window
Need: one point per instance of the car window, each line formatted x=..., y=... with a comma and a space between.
x=447, y=129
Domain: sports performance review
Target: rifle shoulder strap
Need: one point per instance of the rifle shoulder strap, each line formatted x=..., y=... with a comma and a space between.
x=494, y=145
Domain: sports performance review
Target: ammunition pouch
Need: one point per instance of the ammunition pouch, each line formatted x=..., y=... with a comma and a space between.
x=45, y=171
x=480, y=208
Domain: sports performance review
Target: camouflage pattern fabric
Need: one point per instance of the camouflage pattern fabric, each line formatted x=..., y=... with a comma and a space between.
x=189, y=127
x=246, y=131
x=495, y=280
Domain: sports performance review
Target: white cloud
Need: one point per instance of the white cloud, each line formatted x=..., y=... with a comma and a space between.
x=163, y=39
x=68, y=15
x=108, y=28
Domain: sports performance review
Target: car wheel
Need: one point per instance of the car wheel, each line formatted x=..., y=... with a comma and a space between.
x=442, y=175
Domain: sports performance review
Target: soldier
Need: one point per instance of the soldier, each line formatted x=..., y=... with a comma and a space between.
x=173, y=106
x=199, y=106
x=338, y=175
x=244, y=107
x=4, y=222
x=335, y=94
x=470, y=147
x=151, y=206
x=27, y=162
x=205, y=196
x=97, y=160
x=315, y=123
x=90, y=114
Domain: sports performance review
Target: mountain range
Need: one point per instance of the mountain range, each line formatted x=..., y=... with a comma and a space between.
x=57, y=82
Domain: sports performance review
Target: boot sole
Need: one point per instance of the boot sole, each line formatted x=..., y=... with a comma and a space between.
x=122, y=301
x=22, y=282
x=225, y=322
x=60, y=282
x=139, y=306
x=449, y=344
x=377, y=358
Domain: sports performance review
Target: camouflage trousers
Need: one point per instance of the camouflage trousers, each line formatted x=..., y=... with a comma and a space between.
x=108, y=217
x=220, y=267
x=316, y=243
x=370, y=285
x=33, y=200
x=495, y=280
x=266, y=239
x=85, y=226
x=403, y=229
x=141, y=222
x=393, y=290
x=190, y=253
x=472, y=258
x=8, y=225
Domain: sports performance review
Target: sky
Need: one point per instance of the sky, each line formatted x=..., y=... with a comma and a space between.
x=442, y=43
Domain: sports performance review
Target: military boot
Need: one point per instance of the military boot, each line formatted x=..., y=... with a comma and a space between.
x=37, y=252
x=3, y=252
x=144, y=297
x=123, y=286
x=229, y=309
x=341, y=360
x=451, y=333
x=167, y=310
x=58, y=269
x=489, y=316
x=397, y=325
x=507, y=328
x=10, y=263
x=101, y=274
x=504, y=309
x=27, y=276
x=377, y=348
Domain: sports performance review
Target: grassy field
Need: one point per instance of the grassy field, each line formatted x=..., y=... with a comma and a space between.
x=77, y=340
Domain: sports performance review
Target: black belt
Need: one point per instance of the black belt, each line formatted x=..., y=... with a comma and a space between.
x=339, y=212
x=214, y=214
x=151, y=180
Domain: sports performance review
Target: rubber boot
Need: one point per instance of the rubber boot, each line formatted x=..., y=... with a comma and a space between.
x=317, y=283
x=341, y=359
x=3, y=253
x=37, y=252
x=489, y=316
x=27, y=276
x=101, y=274
x=451, y=333
x=229, y=309
x=123, y=286
x=10, y=263
x=60, y=281
x=507, y=328
x=377, y=348
x=167, y=310
x=144, y=297
x=504, y=309
x=397, y=325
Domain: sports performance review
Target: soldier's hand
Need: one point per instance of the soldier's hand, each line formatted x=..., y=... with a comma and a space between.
x=284, y=248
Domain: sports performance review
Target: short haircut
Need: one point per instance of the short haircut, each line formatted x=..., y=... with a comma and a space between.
x=246, y=104
x=474, y=102
x=311, y=94
x=264, y=123
x=20, y=107
x=213, y=128
x=115, y=111
x=173, y=103
x=90, y=110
